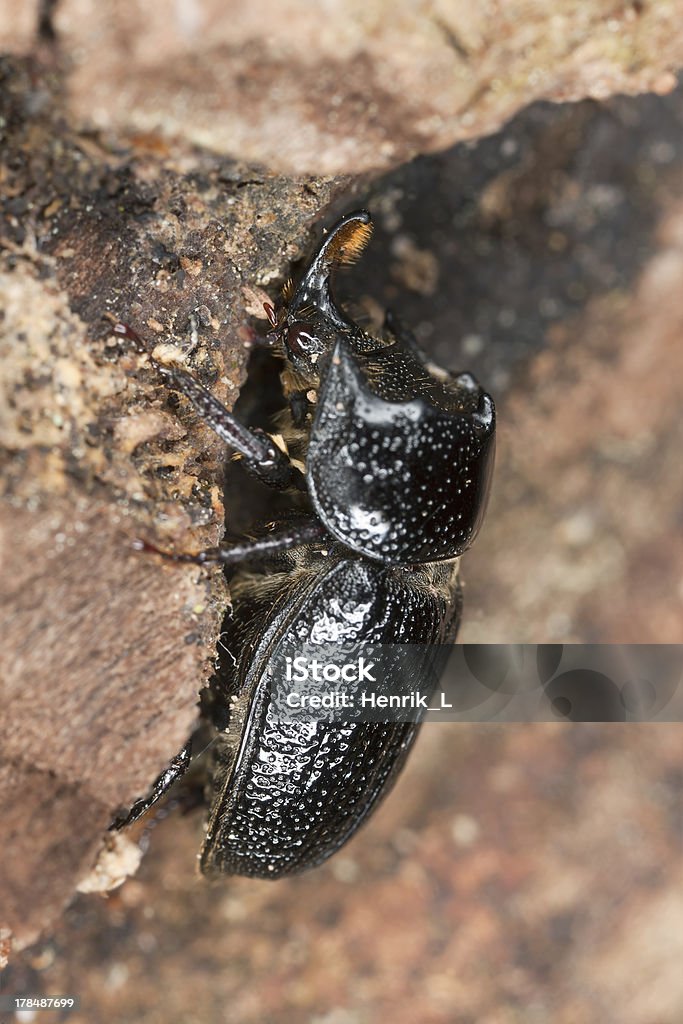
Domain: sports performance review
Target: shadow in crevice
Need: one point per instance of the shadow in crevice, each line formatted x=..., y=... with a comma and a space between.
x=482, y=248
x=249, y=503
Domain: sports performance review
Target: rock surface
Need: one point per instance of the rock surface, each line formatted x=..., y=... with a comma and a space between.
x=104, y=649
x=350, y=86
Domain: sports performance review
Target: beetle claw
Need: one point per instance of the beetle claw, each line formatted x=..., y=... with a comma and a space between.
x=139, y=544
x=126, y=331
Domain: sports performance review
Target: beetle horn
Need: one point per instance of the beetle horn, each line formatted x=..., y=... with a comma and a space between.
x=341, y=246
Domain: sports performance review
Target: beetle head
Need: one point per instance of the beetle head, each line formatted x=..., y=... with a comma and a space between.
x=309, y=320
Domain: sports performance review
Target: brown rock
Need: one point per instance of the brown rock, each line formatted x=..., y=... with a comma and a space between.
x=354, y=86
x=103, y=649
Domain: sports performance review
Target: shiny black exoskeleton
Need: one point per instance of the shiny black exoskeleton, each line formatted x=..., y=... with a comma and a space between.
x=394, y=459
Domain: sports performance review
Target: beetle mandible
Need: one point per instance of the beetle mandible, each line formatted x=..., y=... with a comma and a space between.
x=392, y=458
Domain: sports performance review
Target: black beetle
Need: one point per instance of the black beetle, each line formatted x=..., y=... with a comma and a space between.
x=393, y=458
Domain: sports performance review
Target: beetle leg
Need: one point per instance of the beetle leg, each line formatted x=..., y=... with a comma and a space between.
x=261, y=455
x=282, y=538
x=173, y=771
x=300, y=407
x=466, y=381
